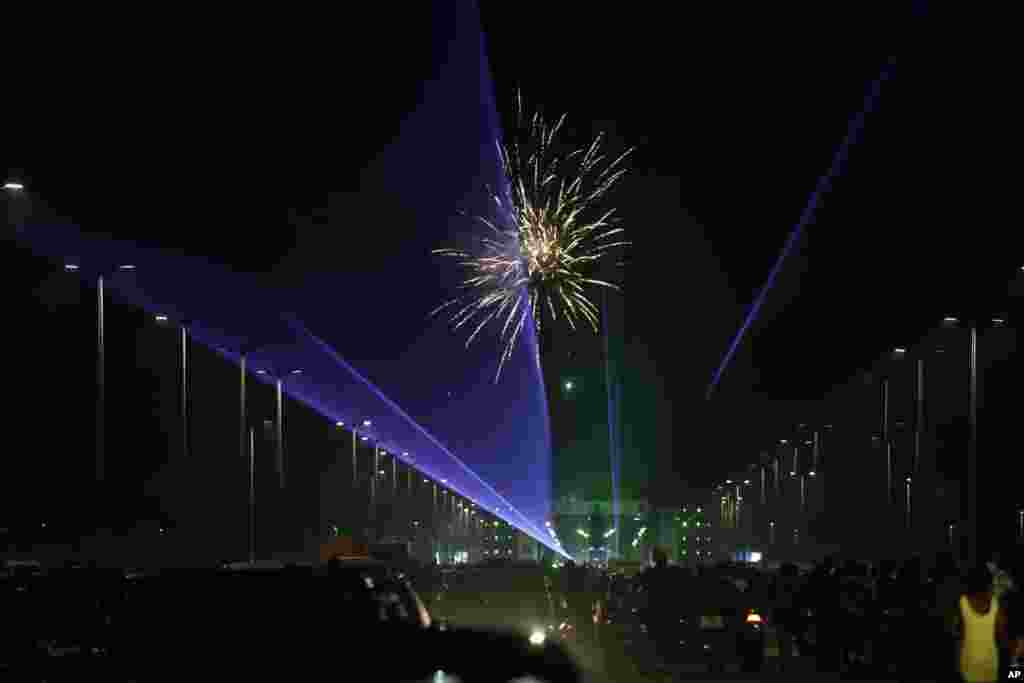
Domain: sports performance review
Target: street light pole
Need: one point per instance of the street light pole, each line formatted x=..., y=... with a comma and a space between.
x=279, y=429
x=355, y=464
x=185, y=392
x=972, y=448
x=918, y=415
x=242, y=422
x=886, y=442
x=252, y=495
x=101, y=390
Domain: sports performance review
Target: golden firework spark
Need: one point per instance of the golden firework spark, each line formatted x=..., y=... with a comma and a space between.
x=545, y=240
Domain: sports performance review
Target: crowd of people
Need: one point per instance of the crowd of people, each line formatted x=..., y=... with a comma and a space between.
x=921, y=619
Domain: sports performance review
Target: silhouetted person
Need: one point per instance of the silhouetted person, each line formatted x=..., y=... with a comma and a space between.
x=662, y=611
x=824, y=590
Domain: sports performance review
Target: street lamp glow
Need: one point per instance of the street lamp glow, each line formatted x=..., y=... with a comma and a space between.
x=71, y=267
x=949, y=319
x=899, y=349
x=366, y=438
x=747, y=482
x=161, y=318
x=569, y=385
x=13, y=186
x=261, y=372
x=339, y=423
x=127, y=266
x=367, y=423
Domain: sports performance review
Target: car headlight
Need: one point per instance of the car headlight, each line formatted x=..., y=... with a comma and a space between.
x=537, y=637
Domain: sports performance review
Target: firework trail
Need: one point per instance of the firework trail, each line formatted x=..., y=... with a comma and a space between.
x=546, y=237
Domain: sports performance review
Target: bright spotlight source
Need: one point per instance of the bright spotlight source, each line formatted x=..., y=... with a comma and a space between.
x=261, y=372
x=728, y=481
x=998, y=321
x=899, y=349
x=339, y=423
x=71, y=267
x=367, y=423
x=161, y=318
x=811, y=473
x=569, y=385
x=366, y=438
x=949, y=319
x=405, y=454
x=444, y=481
x=747, y=482
x=13, y=186
x=537, y=637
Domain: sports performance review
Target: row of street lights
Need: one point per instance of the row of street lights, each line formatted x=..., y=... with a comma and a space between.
x=886, y=438
x=247, y=433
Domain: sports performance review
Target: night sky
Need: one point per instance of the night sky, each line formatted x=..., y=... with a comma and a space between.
x=262, y=145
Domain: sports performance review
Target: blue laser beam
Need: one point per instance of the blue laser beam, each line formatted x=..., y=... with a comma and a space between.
x=822, y=187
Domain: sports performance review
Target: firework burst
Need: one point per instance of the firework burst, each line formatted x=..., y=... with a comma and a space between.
x=548, y=234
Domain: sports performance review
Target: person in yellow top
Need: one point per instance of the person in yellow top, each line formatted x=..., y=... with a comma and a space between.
x=982, y=629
